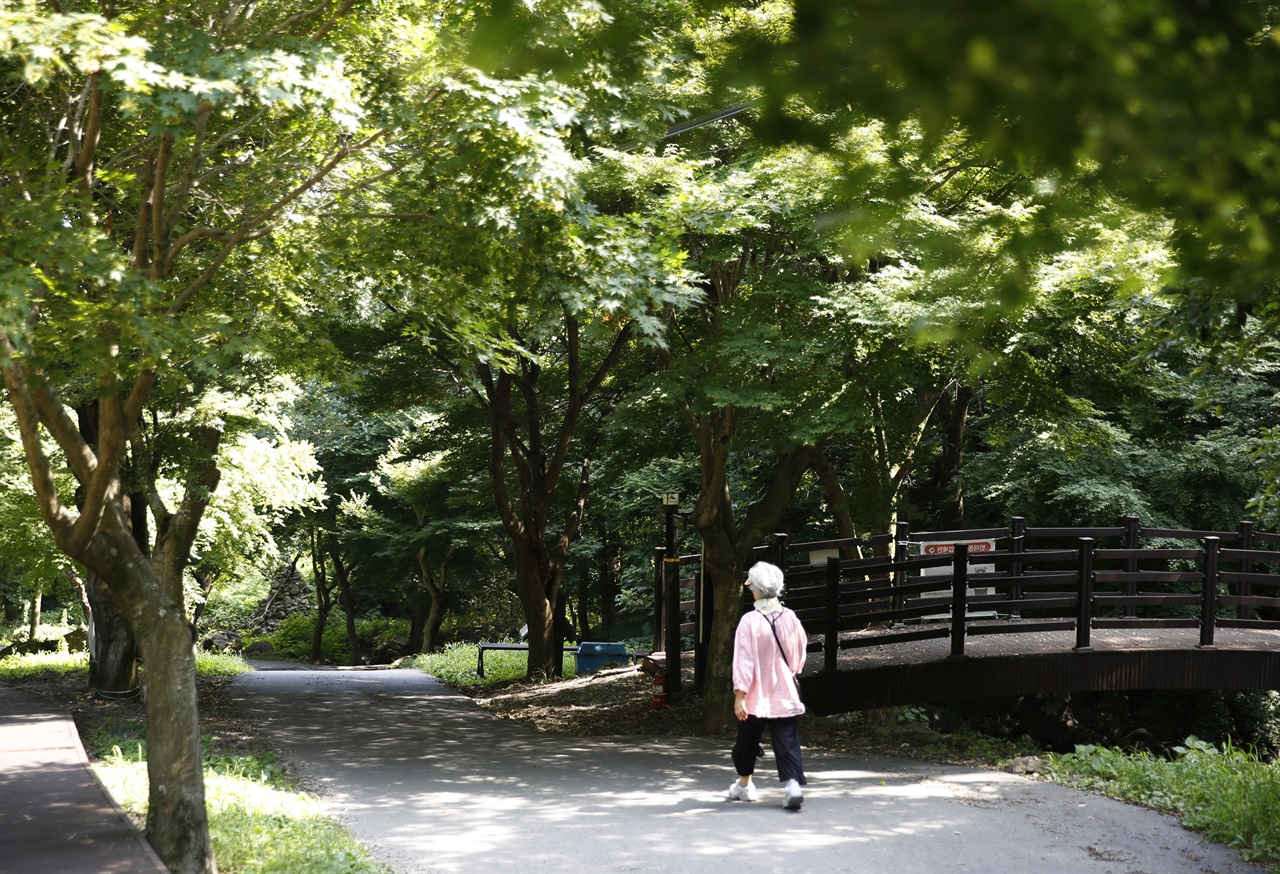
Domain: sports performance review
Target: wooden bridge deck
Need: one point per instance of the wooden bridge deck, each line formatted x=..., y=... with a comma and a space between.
x=922, y=671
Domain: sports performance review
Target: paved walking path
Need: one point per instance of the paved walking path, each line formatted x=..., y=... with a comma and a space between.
x=431, y=783
x=54, y=815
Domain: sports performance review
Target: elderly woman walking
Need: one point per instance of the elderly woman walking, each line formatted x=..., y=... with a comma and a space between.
x=768, y=653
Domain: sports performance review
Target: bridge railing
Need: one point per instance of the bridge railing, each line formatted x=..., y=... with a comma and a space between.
x=904, y=586
x=1026, y=590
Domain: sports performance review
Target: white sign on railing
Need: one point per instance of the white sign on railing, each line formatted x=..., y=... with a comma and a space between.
x=949, y=548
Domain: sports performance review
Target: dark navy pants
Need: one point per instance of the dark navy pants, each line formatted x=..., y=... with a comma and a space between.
x=784, y=735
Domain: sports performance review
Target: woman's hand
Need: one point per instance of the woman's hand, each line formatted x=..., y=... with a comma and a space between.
x=740, y=705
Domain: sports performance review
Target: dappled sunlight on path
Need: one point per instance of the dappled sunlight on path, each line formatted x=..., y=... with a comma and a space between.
x=431, y=783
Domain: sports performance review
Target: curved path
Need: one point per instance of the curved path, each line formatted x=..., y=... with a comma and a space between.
x=431, y=783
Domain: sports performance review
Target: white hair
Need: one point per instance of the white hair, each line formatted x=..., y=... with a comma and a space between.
x=765, y=579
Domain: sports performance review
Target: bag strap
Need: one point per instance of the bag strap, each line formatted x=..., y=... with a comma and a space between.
x=773, y=626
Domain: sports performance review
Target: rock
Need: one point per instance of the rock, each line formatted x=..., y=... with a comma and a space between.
x=260, y=649
x=77, y=641
x=654, y=663
x=223, y=641
x=1026, y=765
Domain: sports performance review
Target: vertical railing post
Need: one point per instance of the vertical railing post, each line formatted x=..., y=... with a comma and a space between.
x=659, y=610
x=671, y=587
x=1209, y=611
x=1132, y=524
x=1084, y=609
x=1245, y=588
x=781, y=551
x=831, y=638
x=1017, y=545
x=959, y=598
x=900, y=537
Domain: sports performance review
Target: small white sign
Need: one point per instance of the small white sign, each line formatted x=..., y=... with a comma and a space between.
x=670, y=499
x=941, y=548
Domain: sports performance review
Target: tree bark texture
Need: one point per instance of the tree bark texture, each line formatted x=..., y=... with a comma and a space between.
x=113, y=652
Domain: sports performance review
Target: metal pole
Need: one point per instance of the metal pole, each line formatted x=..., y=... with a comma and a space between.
x=1017, y=544
x=900, y=535
x=1209, y=612
x=659, y=608
x=831, y=641
x=671, y=586
x=1084, y=609
x=959, y=598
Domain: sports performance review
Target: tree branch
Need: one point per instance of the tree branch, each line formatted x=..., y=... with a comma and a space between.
x=328, y=25
x=56, y=516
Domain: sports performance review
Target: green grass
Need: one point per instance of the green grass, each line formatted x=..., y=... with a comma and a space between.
x=220, y=664
x=257, y=822
x=1230, y=795
x=16, y=667
x=456, y=665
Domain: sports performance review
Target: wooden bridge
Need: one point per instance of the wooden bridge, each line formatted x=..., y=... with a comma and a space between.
x=997, y=612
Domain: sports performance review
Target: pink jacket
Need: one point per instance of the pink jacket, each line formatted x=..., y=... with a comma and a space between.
x=758, y=667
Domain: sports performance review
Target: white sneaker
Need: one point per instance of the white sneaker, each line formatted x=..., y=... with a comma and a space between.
x=794, y=796
x=738, y=792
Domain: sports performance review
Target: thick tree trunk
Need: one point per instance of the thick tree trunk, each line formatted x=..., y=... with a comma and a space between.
x=113, y=648
x=177, y=825
x=545, y=653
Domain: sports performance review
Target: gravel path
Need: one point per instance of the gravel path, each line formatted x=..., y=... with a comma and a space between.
x=431, y=783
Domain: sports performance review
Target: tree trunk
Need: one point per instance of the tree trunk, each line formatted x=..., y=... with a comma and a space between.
x=424, y=634
x=431, y=630
x=348, y=604
x=176, y=821
x=113, y=648
x=727, y=544
x=539, y=614
x=36, y=600
x=324, y=594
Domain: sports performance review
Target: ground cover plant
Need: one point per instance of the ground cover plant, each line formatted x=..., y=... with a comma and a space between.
x=456, y=665
x=1229, y=794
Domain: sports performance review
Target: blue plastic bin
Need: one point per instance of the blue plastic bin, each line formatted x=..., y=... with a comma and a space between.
x=592, y=656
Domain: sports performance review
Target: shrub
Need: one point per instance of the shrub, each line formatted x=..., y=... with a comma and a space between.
x=1229, y=795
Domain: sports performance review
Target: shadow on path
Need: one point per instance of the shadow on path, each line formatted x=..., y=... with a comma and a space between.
x=429, y=782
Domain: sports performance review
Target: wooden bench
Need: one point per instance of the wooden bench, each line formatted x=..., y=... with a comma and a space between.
x=507, y=646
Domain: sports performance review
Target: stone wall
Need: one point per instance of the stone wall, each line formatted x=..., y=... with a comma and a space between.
x=289, y=594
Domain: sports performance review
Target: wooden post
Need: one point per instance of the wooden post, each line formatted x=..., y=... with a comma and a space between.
x=1131, y=526
x=959, y=598
x=1209, y=612
x=781, y=544
x=831, y=639
x=1245, y=588
x=1084, y=609
x=1017, y=545
x=659, y=610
